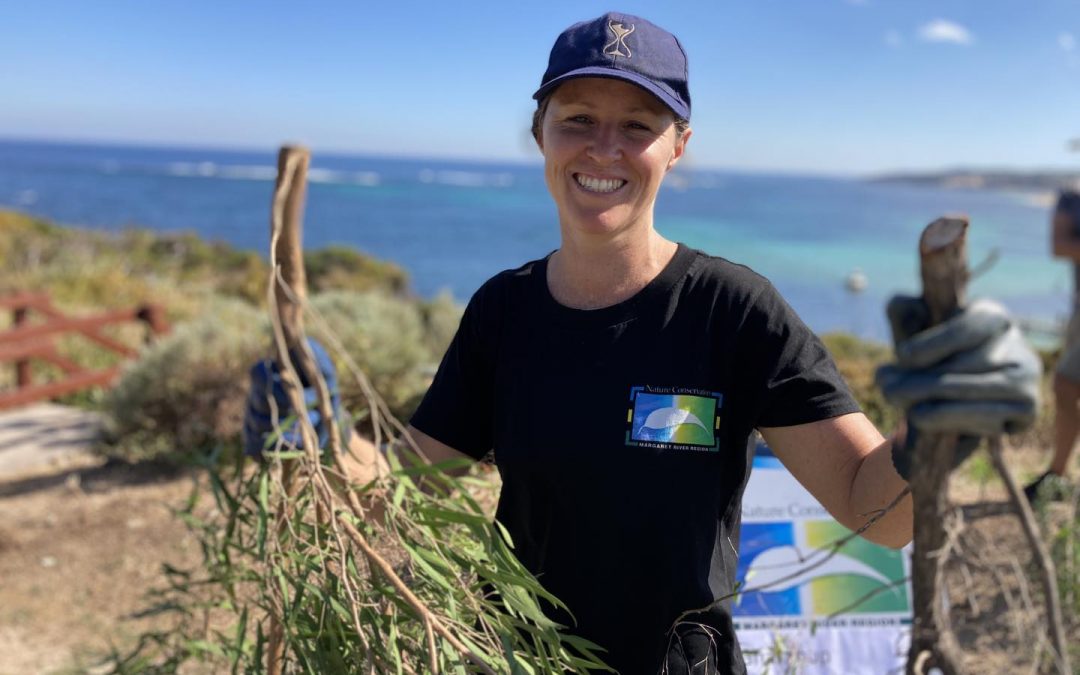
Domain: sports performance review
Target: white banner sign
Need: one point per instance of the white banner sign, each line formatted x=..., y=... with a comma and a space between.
x=821, y=609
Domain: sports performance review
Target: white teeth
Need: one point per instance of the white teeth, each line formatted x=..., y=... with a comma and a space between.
x=599, y=184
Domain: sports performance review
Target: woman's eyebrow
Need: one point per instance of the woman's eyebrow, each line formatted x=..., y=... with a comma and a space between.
x=636, y=110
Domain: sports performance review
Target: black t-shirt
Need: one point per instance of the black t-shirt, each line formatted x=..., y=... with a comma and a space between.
x=621, y=436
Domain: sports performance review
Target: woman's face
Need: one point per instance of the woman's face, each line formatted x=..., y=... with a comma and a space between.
x=607, y=145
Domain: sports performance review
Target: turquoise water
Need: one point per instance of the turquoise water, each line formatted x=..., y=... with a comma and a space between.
x=454, y=224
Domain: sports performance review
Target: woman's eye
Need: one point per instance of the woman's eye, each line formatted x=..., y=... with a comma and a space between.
x=638, y=126
x=581, y=119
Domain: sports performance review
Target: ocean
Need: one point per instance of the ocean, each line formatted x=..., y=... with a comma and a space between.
x=454, y=224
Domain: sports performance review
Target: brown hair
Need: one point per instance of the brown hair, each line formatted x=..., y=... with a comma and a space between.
x=681, y=124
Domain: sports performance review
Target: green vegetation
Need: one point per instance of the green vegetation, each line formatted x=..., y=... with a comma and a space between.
x=341, y=615
x=857, y=361
x=185, y=395
x=95, y=269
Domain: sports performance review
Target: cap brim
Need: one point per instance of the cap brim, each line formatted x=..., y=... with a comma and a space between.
x=679, y=108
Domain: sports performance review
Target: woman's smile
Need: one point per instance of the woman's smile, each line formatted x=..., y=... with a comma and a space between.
x=596, y=184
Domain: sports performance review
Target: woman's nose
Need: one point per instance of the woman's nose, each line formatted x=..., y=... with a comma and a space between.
x=605, y=146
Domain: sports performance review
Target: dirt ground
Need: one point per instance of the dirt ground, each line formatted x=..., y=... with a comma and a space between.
x=81, y=545
x=79, y=549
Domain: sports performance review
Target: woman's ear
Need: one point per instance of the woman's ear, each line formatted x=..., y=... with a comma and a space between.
x=680, y=148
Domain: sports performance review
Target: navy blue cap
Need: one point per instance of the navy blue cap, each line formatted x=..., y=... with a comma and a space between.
x=623, y=47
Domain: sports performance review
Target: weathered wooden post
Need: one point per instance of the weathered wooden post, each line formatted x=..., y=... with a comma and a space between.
x=943, y=257
x=22, y=366
x=289, y=294
x=286, y=234
x=154, y=318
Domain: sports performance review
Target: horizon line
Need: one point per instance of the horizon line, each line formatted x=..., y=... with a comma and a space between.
x=958, y=168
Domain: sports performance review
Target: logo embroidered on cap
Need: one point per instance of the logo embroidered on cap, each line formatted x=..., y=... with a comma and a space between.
x=617, y=45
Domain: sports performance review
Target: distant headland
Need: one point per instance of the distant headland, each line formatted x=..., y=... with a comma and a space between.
x=1041, y=186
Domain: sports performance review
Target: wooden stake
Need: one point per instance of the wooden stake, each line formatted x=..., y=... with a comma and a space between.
x=943, y=256
x=943, y=253
x=287, y=211
x=289, y=294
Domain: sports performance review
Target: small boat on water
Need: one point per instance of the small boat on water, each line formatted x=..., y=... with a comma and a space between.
x=856, y=282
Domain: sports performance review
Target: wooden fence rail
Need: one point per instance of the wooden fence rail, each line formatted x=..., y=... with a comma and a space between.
x=25, y=341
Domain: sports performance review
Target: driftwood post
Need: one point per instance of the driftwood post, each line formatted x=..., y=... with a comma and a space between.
x=287, y=300
x=943, y=257
x=286, y=232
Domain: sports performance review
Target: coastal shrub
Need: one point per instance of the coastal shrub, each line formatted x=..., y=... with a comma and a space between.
x=396, y=343
x=185, y=394
x=343, y=267
x=441, y=316
x=95, y=269
x=857, y=361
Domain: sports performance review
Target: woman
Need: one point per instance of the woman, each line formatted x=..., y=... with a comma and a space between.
x=618, y=379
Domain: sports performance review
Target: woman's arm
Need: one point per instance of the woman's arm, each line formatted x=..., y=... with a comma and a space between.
x=846, y=464
x=364, y=462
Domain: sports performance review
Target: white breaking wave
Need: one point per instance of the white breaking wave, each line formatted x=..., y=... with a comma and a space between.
x=331, y=176
x=248, y=172
x=201, y=169
x=266, y=172
x=465, y=178
x=366, y=178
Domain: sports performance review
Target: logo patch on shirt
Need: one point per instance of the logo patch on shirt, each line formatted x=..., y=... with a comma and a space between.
x=676, y=418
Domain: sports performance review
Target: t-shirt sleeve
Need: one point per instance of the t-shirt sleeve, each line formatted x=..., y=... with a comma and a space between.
x=458, y=407
x=794, y=376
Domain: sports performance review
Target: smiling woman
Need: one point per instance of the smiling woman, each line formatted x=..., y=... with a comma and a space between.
x=617, y=380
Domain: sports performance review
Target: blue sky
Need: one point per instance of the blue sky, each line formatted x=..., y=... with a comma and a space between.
x=833, y=86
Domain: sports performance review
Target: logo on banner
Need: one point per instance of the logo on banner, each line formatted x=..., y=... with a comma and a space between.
x=802, y=576
x=673, y=417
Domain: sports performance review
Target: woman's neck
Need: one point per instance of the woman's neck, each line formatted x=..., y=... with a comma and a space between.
x=593, y=276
